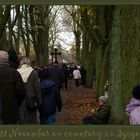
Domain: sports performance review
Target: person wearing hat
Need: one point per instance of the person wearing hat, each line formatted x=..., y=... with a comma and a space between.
x=133, y=107
x=101, y=114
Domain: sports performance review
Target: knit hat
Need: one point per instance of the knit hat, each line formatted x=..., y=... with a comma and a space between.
x=103, y=98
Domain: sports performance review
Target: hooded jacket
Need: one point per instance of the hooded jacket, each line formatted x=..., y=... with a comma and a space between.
x=30, y=77
x=51, y=98
x=133, y=111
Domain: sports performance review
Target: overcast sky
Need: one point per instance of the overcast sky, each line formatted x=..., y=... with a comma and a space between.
x=66, y=38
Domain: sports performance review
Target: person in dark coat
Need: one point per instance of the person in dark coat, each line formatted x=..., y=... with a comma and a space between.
x=13, y=59
x=83, y=75
x=66, y=75
x=51, y=100
x=31, y=79
x=12, y=91
x=101, y=114
x=56, y=74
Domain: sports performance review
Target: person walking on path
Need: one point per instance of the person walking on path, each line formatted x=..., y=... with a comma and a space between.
x=77, y=76
x=83, y=72
x=66, y=76
x=51, y=100
x=31, y=79
x=56, y=74
x=12, y=91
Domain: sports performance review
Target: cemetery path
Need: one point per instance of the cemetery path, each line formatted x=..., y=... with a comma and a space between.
x=77, y=103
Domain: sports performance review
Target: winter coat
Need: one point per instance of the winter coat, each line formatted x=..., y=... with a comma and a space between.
x=133, y=111
x=83, y=75
x=31, y=78
x=51, y=98
x=56, y=74
x=12, y=93
x=102, y=114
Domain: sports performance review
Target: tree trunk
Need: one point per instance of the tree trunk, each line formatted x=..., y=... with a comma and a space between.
x=124, y=60
x=115, y=89
x=99, y=57
x=3, y=21
x=77, y=36
x=40, y=32
x=27, y=34
x=130, y=44
x=103, y=29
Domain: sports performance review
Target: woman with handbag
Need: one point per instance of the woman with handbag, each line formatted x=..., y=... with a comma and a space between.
x=33, y=99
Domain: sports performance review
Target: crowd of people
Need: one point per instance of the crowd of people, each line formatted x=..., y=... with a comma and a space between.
x=32, y=94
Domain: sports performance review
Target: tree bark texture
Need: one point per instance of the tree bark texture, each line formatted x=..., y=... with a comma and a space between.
x=124, y=59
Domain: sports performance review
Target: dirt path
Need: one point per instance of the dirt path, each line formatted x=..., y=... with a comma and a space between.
x=77, y=103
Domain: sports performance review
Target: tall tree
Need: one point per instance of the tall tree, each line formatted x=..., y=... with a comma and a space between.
x=103, y=25
x=4, y=17
x=39, y=20
x=124, y=59
x=115, y=92
x=130, y=45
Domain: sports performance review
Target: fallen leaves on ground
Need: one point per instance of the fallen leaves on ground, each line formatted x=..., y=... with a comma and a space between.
x=77, y=103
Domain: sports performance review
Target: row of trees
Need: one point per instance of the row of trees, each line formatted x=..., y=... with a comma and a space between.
x=29, y=27
x=106, y=42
